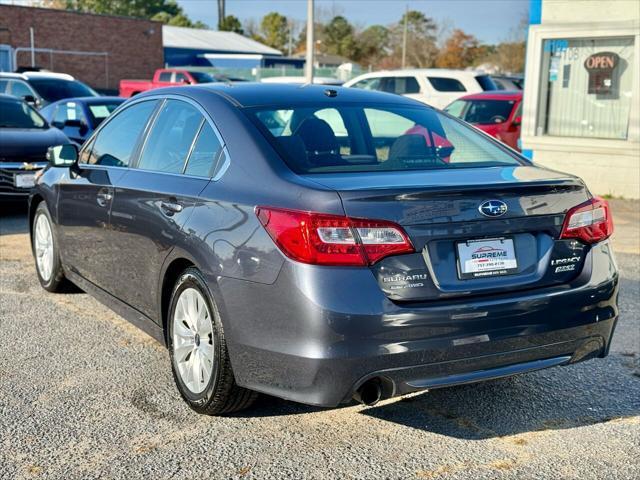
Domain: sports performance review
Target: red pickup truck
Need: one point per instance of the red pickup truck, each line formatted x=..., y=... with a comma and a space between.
x=166, y=77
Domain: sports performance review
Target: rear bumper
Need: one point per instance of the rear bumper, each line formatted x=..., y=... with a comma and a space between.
x=317, y=334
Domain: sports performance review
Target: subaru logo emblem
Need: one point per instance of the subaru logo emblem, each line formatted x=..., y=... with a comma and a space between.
x=493, y=208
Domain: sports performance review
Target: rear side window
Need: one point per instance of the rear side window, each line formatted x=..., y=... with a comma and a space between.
x=444, y=84
x=164, y=77
x=116, y=142
x=400, y=85
x=380, y=138
x=205, y=153
x=486, y=83
x=171, y=137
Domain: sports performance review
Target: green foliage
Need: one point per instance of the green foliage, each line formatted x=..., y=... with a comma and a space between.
x=372, y=45
x=339, y=38
x=165, y=11
x=274, y=30
x=231, y=23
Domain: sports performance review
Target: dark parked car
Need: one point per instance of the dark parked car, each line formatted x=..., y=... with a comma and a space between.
x=79, y=117
x=24, y=139
x=297, y=241
x=39, y=89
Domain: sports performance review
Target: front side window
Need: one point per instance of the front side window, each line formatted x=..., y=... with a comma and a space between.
x=380, y=138
x=368, y=84
x=172, y=134
x=586, y=87
x=444, y=84
x=117, y=140
x=205, y=153
x=483, y=112
x=164, y=77
x=17, y=114
x=20, y=89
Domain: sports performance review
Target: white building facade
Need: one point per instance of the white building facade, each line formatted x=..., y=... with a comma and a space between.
x=582, y=92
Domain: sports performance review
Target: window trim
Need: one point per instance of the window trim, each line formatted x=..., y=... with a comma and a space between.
x=134, y=154
x=217, y=170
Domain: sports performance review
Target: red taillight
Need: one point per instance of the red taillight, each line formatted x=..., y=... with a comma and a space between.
x=324, y=239
x=590, y=222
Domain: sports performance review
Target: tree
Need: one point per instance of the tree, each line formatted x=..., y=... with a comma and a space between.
x=459, y=51
x=339, y=37
x=372, y=44
x=165, y=11
x=231, y=23
x=421, y=39
x=274, y=30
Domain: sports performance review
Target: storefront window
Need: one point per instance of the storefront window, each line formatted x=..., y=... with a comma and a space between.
x=586, y=87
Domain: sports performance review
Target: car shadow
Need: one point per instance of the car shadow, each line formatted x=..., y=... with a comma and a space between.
x=13, y=218
x=589, y=393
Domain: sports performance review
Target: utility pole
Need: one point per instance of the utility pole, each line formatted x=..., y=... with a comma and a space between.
x=404, y=37
x=310, y=43
x=290, y=37
x=221, y=13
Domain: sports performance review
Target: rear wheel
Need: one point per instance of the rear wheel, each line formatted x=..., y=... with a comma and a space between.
x=45, y=251
x=197, y=347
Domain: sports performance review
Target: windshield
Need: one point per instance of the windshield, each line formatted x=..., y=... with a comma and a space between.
x=203, y=77
x=358, y=138
x=483, y=112
x=99, y=111
x=54, y=89
x=17, y=114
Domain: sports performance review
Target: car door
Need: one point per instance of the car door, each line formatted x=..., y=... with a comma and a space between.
x=157, y=196
x=85, y=195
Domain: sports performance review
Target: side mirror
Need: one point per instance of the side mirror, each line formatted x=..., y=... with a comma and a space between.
x=62, y=155
x=31, y=100
x=517, y=122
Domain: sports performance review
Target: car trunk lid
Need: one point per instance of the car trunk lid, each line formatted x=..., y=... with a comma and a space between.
x=440, y=212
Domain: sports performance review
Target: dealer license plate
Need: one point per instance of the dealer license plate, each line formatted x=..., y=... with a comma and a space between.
x=486, y=258
x=25, y=180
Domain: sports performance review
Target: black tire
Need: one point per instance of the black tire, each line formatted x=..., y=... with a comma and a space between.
x=56, y=281
x=221, y=395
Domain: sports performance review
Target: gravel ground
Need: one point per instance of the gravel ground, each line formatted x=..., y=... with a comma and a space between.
x=84, y=395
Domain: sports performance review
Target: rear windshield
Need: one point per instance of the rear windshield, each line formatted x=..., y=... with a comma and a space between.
x=54, y=89
x=17, y=114
x=483, y=112
x=354, y=138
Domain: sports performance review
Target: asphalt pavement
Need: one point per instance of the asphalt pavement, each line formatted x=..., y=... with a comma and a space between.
x=83, y=395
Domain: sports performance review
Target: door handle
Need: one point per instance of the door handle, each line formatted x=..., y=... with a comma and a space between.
x=170, y=208
x=103, y=197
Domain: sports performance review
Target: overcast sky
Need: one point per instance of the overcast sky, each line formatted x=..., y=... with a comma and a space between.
x=489, y=20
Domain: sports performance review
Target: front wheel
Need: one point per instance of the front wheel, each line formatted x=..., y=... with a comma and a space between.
x=45, y=251
x=197, y=347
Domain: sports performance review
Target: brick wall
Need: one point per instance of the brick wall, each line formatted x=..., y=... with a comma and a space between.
x=134, y=46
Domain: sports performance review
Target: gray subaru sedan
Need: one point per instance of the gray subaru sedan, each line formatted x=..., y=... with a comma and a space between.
x=325, y=245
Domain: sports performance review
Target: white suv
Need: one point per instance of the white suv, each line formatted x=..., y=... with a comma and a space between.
x=437, y=87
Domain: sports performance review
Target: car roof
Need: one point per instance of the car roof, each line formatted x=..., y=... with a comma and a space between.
x=60, y=76
x=17, y=76
x=252, y=94
x=505, y=95
x=446, y=72
x=90, y=100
